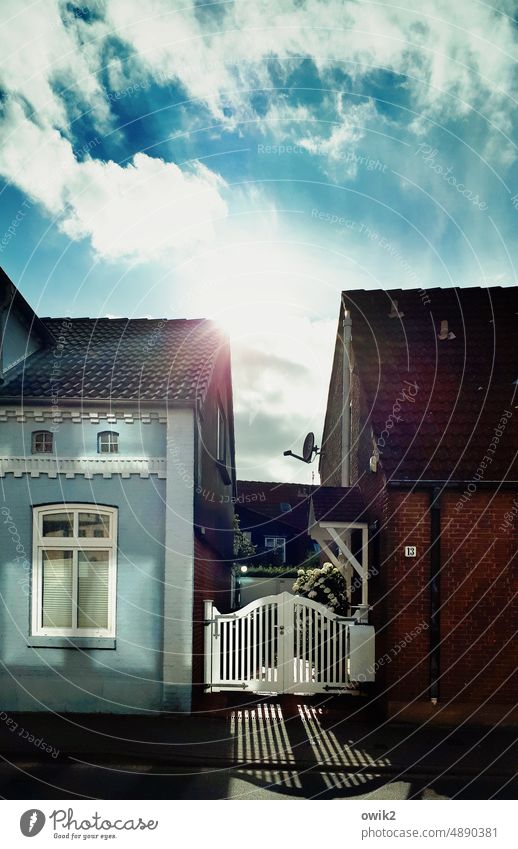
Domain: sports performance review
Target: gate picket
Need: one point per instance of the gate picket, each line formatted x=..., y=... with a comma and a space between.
x=322, y=671
x=223, y=654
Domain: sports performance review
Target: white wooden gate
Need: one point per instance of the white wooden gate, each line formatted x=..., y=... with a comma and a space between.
x=286, y=644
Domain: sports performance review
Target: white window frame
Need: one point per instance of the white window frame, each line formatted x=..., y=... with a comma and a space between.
x=276, y=546
x=45, y=434
x=109, y=444
x=75, y=543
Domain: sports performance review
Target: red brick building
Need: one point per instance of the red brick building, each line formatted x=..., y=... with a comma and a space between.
x=428, y=381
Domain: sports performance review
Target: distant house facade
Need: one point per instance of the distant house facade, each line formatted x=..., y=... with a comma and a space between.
x=274, y=518
x=117, y=488
x=422, y=422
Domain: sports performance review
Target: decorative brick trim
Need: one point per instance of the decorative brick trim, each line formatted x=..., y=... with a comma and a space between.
x=84, y=466
x=77, y=416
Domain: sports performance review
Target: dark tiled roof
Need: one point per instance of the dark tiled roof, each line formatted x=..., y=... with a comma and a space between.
x=119, y=359
x=12, y=300
x=266, y=497
x=338, y=504
x=457, y=389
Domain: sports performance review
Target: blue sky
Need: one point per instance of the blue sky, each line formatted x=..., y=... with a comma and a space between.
x=247, y=161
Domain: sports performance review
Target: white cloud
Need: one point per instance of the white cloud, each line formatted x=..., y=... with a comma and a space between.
x=36, y=159
x=144, y=210
x=262, y=291
x=337, y=150
x=350, y=129
x=38, y=50
x=456, y=55
x=282, y=114
x=460, y=54
x=140, y=211
x=278, y=376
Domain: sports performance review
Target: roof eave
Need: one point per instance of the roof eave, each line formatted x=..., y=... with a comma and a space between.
x=95, y=402
x=14, y=299
x=444, y=483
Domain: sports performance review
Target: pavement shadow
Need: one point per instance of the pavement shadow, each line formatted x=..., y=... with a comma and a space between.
x=297, y=753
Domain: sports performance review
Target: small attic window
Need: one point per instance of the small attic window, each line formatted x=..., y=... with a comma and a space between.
x=42, y=442
x=108, y=442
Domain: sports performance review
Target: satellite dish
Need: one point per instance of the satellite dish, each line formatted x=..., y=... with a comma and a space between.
x=307, y=448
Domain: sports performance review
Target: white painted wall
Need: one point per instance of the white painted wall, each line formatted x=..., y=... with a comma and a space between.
x=253, y=588
x=179, y=561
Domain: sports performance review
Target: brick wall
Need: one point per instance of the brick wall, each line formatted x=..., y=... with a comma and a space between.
x=478, y=581
x=211, y=581
x=479, y=607
x=403, y=607
x=330, y=463
x=479, y=578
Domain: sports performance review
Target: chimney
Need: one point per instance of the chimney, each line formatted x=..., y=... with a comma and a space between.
x=394, y=312
x=444, y=332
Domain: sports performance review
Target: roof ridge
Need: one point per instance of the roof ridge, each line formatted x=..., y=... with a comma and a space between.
x=277, y=483
x=498, y=287
x=123, y=318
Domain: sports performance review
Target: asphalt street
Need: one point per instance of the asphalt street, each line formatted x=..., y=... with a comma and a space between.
x=259, y=751
x=24, y=779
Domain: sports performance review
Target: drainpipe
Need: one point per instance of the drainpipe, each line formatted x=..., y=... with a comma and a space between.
x=346, y=397
x=435, y=592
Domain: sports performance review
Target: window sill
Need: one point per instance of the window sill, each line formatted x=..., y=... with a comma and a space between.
x=72, y=642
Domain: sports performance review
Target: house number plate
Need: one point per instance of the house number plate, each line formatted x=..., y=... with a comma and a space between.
x=410, y=551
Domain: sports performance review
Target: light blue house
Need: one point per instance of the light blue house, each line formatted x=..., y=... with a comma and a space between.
x=116, y=500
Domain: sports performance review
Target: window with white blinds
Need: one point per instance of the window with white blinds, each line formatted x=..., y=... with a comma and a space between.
x=74, y=570
x=57, y=586
x=93, y=572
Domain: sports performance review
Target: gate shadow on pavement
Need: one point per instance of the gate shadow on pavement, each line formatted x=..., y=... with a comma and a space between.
x=269, y=748
x=295, y=753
